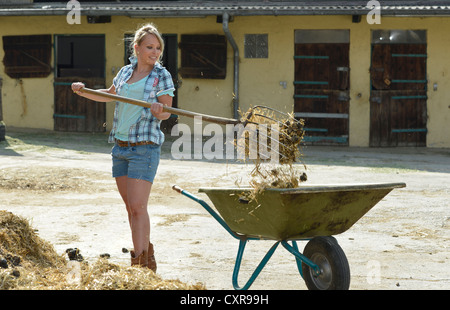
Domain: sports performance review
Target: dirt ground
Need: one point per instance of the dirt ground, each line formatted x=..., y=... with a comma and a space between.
x=61, y=182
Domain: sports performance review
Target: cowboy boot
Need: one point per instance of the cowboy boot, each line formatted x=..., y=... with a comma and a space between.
x=141, y=260
x=151, y=257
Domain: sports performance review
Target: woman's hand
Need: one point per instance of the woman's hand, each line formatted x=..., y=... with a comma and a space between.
x=157, y=108
x=77, y=86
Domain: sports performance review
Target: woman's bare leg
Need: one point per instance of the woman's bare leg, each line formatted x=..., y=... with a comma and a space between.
x=135, y=194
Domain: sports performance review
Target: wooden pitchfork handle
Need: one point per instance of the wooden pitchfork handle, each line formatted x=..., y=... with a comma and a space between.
x=208, y=118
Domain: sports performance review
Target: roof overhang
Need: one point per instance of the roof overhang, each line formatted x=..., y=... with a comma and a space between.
x=234, y=8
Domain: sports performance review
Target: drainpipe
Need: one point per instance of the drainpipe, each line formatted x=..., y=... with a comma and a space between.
x=2, y=125
x=225, y=18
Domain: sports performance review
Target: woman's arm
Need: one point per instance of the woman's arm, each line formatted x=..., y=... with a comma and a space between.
x=157, y=107
x=78, y=85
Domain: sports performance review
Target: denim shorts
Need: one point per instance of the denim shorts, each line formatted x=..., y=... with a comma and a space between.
x=136, y=162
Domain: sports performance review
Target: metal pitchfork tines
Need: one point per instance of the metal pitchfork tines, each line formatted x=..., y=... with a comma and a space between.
x=288, y=132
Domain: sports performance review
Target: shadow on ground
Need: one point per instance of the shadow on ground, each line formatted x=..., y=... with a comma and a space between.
x=402, y=158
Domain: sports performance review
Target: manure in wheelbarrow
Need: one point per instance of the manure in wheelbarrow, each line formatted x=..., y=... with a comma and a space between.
x=276, y=177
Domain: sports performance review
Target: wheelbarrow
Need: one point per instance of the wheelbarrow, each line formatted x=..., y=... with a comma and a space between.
x=312, y=213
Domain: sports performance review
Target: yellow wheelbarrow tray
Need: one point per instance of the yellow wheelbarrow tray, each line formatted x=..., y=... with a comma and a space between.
x=310, y=212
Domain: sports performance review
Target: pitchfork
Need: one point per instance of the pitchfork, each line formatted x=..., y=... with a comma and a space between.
x=270, y=115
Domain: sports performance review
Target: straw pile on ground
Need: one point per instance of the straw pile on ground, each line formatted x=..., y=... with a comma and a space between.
x=29, y=263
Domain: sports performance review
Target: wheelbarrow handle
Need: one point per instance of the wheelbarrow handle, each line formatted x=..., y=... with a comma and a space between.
x=207, y=208
x=177, y=188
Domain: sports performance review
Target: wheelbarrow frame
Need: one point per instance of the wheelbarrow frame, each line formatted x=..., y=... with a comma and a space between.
x=314, y=269
x=243, y=239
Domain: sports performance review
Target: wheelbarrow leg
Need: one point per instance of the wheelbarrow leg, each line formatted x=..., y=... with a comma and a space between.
x=298, y=260
x=237, y=266
x=301, y=257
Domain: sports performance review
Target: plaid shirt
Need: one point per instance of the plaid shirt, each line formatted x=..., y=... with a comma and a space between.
x=147, y=127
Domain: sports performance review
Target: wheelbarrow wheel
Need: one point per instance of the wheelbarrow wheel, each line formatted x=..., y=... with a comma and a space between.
x=326, y=253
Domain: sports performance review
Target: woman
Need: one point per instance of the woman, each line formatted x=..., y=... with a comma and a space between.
x=137, y=135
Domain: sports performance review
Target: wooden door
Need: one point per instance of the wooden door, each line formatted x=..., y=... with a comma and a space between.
x=169, y=61
x=398, y=100
x=79, y=58
x=74, y=113
x=322, y=91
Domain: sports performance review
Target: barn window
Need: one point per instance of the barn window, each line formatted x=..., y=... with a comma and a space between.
x=203, y=56
x=386, y=36
x=256, y=46
x=27, y=56
x=80, y=55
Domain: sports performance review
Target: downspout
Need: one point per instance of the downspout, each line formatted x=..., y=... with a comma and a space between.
x=2, y=124
x=225, y=18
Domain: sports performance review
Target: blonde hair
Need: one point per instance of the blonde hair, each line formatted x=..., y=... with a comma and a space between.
x=140, y=34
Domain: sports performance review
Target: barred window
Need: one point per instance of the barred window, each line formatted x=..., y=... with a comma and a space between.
x=256, y=46
x=203, y=56
x=27, y=56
